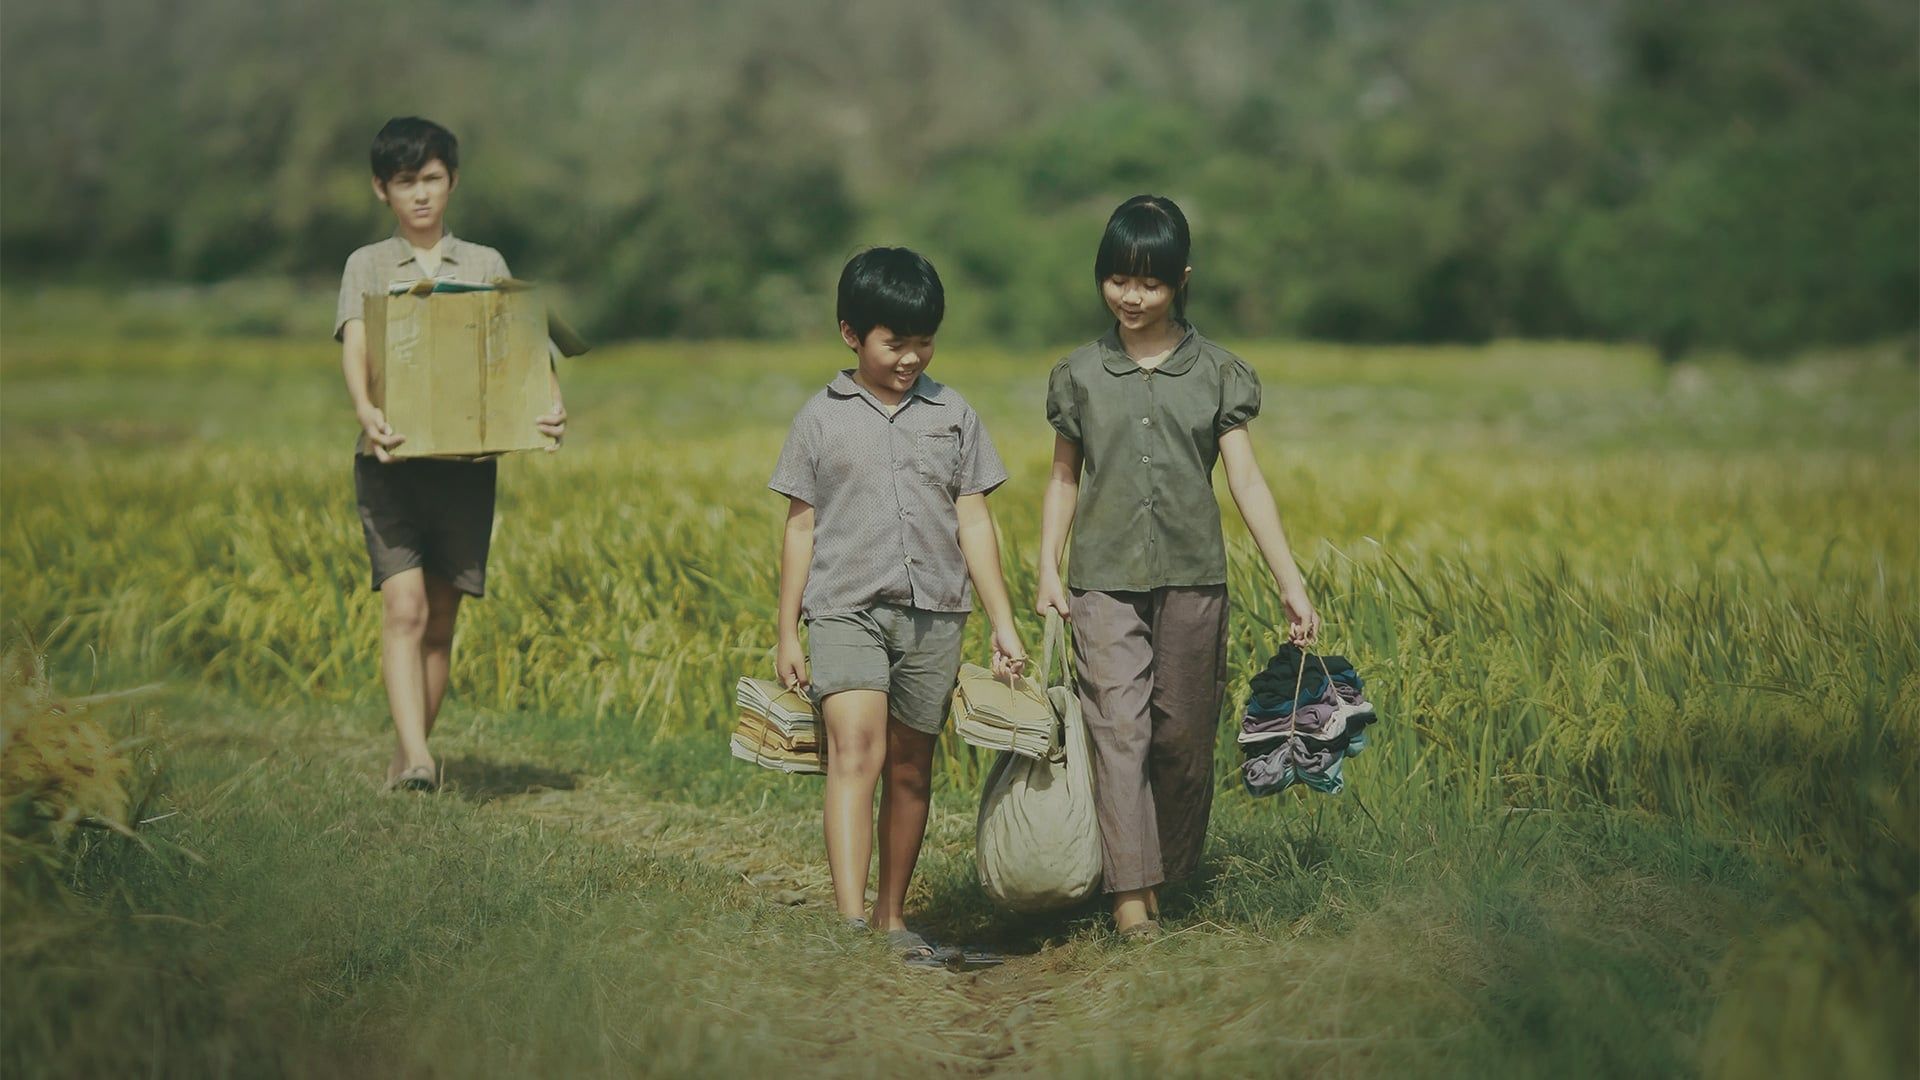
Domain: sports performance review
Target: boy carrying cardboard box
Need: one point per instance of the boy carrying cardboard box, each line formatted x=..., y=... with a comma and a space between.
x=427, y=520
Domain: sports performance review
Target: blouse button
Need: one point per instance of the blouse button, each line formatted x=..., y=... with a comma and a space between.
x=1147, y=420
x=1145, y=460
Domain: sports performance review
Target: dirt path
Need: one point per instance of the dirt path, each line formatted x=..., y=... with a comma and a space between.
x=982, y=1019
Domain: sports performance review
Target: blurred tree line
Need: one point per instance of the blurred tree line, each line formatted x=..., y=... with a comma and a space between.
x=1726, y=173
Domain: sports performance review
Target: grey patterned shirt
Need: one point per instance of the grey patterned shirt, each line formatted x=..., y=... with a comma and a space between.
x=883, y=489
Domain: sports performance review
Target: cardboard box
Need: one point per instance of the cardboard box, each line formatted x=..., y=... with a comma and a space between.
x=460, y=370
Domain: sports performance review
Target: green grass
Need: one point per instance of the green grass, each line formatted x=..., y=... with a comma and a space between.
x=1644, y=640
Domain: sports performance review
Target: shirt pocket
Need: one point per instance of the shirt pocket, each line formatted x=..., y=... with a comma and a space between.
x=937, y=457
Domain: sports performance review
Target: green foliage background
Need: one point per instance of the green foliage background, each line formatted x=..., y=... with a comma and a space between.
x=1717, y=174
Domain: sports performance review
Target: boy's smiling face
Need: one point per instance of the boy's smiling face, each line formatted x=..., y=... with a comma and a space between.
x=418, y=197
x=888, y=363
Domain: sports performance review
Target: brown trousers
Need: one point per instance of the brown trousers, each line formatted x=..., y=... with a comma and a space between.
x=1152, y=673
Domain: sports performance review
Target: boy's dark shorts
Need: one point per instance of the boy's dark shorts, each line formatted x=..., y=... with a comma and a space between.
x=427, y=512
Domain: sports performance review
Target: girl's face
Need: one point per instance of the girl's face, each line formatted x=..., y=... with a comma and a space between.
x=1139, y=302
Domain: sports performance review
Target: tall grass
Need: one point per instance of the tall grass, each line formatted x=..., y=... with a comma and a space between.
x=1642, y=642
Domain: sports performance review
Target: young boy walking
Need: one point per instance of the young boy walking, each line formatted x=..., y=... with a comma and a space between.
x=887, y=474
x=427, y=521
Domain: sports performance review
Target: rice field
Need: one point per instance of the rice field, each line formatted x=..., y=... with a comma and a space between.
x=1644, y=802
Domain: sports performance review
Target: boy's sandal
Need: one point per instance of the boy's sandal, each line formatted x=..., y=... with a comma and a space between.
x=914, y=950
x=973, y=960
x=1145, y=930
x=420, y=778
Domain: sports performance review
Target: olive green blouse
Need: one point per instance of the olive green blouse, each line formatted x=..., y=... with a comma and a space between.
x=1148, y=439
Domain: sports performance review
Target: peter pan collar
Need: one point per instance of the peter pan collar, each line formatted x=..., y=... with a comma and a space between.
x=1113, y=355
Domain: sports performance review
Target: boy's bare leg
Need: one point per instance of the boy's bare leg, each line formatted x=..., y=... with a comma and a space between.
x=903, y=819
x=436, y=645
x=856, y=750
x=403, y=627
x=436, y=657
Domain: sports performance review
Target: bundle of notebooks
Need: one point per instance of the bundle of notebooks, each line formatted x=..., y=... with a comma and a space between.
x=778, y=729
x=1004, y=714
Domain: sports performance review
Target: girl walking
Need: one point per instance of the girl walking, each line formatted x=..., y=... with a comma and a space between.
x=1140, y=417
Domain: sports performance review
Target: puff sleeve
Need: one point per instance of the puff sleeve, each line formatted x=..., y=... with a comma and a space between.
x=1239, y=396
x=1063, y=406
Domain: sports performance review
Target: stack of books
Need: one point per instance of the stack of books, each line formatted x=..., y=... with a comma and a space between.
x=778, y=729
x=1004, y=714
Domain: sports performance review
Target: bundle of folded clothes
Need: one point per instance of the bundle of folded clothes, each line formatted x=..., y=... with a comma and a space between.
x=1004, y=714
x=779, y=728
x=1306, y=715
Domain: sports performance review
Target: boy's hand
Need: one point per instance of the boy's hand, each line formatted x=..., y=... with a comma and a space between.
x=1051, y=595
x=553, y=426
x=1303, y=623
x=1009, y=656
x=790, y=663
x=380, y=433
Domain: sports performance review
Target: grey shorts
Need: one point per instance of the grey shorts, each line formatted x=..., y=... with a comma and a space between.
x=433, y=513
x=912, y=656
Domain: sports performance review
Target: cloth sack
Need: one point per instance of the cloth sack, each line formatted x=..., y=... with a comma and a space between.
x=1037, y=840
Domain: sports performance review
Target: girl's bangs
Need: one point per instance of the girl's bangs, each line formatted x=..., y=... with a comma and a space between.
x=1142, y=243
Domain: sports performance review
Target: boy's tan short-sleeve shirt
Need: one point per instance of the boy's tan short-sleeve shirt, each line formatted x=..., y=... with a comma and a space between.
x=378, y=266
x=883, y=488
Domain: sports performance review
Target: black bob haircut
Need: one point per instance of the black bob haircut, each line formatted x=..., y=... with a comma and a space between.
x=407, y=143
x=891, y=287
x=1147, y=237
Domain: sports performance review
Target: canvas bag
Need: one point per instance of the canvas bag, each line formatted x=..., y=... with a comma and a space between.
x=1037, y=840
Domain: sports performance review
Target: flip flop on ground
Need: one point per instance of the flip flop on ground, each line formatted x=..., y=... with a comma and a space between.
x=914, y=950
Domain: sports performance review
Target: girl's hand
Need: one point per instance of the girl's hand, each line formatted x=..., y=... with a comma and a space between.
x=1050, y=595
x=1303, y=623
x=1009, y=656
x=790, y=663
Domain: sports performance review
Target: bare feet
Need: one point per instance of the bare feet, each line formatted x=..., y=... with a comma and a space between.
x=1130, y=909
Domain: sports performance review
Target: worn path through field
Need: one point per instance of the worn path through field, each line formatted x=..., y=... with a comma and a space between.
x=986, y=1016
x=650, y=901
